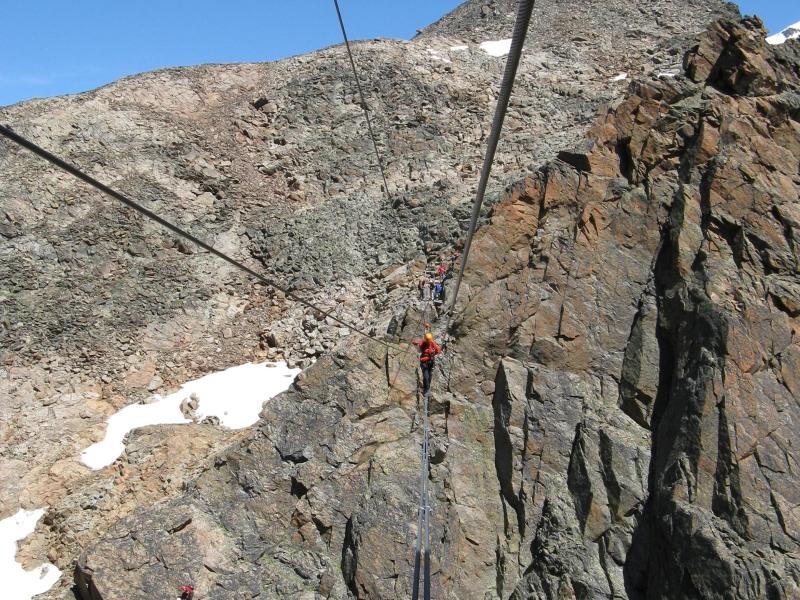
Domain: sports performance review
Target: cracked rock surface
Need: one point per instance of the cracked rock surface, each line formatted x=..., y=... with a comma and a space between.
x=616, y=413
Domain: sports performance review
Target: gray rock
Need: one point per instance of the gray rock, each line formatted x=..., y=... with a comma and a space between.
x=613, y=417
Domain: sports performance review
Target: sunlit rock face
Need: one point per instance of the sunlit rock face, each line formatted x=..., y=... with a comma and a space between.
x=614, y=416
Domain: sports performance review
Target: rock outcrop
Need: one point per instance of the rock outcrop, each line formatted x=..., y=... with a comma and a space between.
x=271, y=163
x=615, y=416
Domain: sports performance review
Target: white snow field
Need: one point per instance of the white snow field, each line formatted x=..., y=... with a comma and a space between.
x=235, y=396
x=496, y=47
x=19, y=584
x=791, y=32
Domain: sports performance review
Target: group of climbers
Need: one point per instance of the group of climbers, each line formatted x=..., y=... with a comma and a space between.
x=430, y=288
x=433, y=289
x=431, y=285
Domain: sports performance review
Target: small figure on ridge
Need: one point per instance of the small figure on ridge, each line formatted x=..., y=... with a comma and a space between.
x=422, y=286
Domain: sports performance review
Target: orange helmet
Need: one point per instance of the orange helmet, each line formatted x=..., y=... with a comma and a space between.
x=428, y=336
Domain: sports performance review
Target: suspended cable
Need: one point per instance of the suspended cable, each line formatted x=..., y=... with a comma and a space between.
x=426, y=570
x=76, y=172
x=422, y=547
x=364, y=105
x=524, y=9
x=421, y=510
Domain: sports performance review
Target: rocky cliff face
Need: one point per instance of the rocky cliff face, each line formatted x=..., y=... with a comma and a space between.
x=644, y=439
x=615, y=416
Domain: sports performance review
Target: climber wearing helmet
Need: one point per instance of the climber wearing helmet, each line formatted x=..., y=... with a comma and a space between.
x=428, y=349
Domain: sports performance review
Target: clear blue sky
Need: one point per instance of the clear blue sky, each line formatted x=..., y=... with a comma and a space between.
x=53, y=47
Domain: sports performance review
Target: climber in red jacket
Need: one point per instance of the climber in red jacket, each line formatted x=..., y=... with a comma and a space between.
x=187, y=592
x=428, y=349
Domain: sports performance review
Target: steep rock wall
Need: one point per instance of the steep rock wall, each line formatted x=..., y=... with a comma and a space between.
x=615, y=416
x=271, y=163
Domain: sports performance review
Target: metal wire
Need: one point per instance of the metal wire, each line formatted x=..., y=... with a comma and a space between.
x=422, y=547
x=422, y=551
x=364, y=105
x=524, y=10
x=426, y=571
x=76, y=172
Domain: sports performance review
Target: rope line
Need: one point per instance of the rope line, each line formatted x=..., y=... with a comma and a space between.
x=79, y=174
x=422, y=547
x=524, y=9
x=364, y=105
x=423, y=522
x=426, y=571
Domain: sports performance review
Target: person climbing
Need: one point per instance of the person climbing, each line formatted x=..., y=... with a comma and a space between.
x=452, y=263
x=391, y=329
x=187, y=592
x=441, y=270
x=428, y=349
x=421, y=286
x=438, y=292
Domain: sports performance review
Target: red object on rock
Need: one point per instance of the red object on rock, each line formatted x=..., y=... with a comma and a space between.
x=187, y=592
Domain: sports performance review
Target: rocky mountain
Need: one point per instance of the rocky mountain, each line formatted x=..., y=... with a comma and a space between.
x=614, y=417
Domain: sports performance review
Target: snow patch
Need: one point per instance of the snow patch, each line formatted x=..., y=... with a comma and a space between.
x=19, y=584
x=235, y=396
x=250, y=384
x=161, y=411
x=790, y=33
x=459, y=48
x=620, y=77
x=496, y=47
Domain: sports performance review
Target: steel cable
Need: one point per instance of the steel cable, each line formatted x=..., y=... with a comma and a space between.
x=524, y=10
x=364, y=105
x=426, y=572
x=423, y=554
x=421, y=547
x=76, y=172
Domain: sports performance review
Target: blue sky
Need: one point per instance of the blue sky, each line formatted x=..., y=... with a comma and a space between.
x=53, y=47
